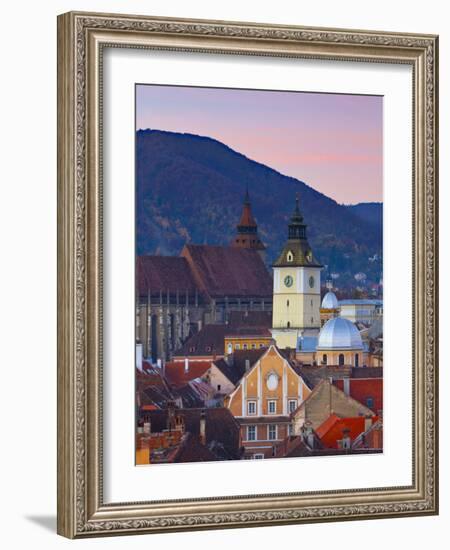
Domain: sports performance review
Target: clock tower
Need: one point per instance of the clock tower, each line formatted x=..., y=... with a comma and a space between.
x=296, y=287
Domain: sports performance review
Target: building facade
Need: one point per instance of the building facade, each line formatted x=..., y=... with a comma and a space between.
x=263, y=401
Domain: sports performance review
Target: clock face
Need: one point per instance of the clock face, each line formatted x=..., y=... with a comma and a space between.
x=272, y=381
x=311, y=282
x=288, y=280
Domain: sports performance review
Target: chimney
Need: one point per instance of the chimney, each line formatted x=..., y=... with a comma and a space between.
x=139, y=356
x=346, y=386
x=186, y=364
x=140, y=426
x=203, y=427
x=171, y=415
x=147, y=425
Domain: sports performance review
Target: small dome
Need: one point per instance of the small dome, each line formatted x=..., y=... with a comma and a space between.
x=330, y=301
x=339, y=333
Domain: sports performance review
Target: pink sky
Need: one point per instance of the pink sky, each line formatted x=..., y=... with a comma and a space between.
x=332, y=142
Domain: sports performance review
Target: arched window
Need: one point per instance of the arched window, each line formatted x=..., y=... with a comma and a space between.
x=289, y=256
x=324, y=359
x=287, y=303
x=356, y=359
x=341, y=359
x=288, y=324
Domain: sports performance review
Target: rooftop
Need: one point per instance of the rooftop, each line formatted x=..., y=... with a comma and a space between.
x=162, y=274
x=226, y=271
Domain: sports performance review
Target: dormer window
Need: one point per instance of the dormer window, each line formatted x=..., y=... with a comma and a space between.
x=289, y=256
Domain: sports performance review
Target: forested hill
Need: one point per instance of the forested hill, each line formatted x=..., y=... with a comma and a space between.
x=190, y=189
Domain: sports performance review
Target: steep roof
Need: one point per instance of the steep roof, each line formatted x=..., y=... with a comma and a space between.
x=363, y=388
x=233, y=372
x=250, y=318
x=226, y=271
x=191, y=450
x=177, y=375
x=333, y=429
x=325, y=400
x=220, y=426
x=208, y=342
x=157, y=274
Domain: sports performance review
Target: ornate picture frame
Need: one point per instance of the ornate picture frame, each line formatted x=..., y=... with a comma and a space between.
x=82, y=38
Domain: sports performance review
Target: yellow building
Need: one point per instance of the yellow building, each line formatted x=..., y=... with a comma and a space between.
x=247, y=338
x=296, y=287
x=263, y=401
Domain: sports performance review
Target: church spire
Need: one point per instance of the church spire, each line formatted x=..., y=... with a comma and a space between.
x=247, y=229
x=296, y=227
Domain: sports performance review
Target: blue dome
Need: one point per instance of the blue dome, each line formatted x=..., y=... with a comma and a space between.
x=339, y=333
x=330, y=301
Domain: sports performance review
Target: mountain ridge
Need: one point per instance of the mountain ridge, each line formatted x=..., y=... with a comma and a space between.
x=190, y=188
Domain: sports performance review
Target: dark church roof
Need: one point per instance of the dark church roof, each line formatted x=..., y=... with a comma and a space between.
x=157, y=274
x=225, y=271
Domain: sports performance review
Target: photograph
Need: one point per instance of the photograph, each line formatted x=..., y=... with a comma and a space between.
x=258, y=274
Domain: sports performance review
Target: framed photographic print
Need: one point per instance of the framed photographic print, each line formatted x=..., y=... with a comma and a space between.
x=247, y=280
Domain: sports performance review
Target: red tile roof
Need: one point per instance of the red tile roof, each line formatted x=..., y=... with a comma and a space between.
x=157, y=274
x=222, y=271
x=363, y=389
x=176, y=374
x=333, y=429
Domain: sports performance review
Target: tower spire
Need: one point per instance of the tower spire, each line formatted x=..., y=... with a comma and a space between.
x=247, y=229
x=297, y=229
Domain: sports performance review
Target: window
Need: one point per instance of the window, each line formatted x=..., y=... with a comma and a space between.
x=290, y=429
x=219, y=387
x=237, y=346
x=230, y=349
x=208, y=348
x=245, y=346
x=290, y=256
x=356, y=359
x=251, y=433
x=287, y=303
x=324, y=359
x=251, y=407
x=272, y=407
x=288, y=324
x=369, y=402
x=292, y=405
x=258, y=456
x=272, y=432
x=341, y=359
x=191, y=350
x=253, y=346
x=261, y=346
